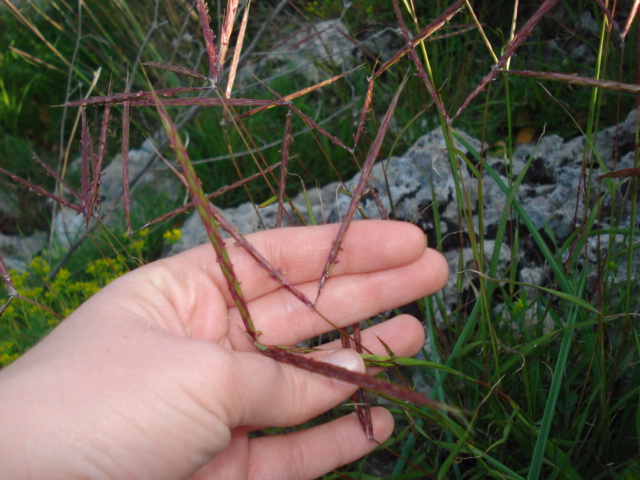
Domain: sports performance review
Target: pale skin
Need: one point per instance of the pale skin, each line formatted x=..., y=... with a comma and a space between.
x=154, y=377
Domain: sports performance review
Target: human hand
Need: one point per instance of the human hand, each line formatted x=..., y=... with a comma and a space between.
x=154, y=376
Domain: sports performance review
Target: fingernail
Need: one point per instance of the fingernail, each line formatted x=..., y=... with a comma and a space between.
x=345, y=358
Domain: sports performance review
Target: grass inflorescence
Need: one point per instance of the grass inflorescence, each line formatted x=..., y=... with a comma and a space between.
x=523, y=381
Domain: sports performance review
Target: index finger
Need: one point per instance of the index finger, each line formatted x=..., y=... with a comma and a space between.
x=300, y=254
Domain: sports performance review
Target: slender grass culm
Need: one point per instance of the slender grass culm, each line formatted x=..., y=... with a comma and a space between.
x=519, y=379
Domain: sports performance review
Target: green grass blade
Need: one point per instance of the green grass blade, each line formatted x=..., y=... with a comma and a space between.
x=554, y=392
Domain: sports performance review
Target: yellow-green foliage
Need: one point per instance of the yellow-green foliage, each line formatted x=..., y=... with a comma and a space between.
x=172, y=235
x=24, y=323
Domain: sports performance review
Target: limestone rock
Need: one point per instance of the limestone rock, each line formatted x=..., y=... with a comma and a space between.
x=327, y=43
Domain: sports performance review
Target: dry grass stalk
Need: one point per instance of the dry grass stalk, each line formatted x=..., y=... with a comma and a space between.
x=513, y=45
x=126, y=195
x=236, y=53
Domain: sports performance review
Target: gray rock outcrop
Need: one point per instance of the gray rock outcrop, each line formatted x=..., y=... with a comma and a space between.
x=550, y=194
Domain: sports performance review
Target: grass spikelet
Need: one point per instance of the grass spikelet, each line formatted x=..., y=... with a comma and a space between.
x=180, y=70
x=513, y=45
x=372, y=156
x=209, y=38
x=189, y=205
x=364, y=381
x=41, y=191
x=58, y=178
x=208, y=220
x=435, y=95
x=427, y=31
x=283, y=169
x=578, y=80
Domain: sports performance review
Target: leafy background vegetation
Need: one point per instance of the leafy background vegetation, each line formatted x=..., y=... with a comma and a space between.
x=548, y=381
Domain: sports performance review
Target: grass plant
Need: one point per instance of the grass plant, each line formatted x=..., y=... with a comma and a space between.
x=524, y=381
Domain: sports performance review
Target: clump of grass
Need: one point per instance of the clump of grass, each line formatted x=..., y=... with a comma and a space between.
x=546, y=375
